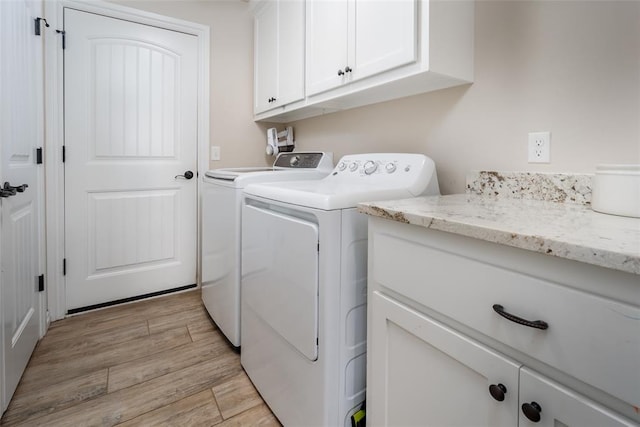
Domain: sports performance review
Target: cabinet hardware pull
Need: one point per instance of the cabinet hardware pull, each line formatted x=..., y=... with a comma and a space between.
x=347, y=69
x=538, y=324
x=532, y=411
x=497, y=391
x=340, y=73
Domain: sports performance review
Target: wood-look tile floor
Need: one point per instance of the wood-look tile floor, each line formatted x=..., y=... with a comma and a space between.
x=159, y=362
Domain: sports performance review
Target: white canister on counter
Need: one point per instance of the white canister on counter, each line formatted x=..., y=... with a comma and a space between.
x=616, y=190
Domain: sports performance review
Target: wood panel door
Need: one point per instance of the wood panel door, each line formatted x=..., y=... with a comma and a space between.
x=130, y=133
x=21, y=88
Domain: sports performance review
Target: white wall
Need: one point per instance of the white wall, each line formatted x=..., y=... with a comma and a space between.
x=569, y=67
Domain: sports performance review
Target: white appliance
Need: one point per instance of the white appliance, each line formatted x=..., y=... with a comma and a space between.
x=221, y=220
x=304, y=284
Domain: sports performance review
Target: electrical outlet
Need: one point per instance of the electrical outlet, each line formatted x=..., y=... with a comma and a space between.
x=215, y=152
x=540, y=147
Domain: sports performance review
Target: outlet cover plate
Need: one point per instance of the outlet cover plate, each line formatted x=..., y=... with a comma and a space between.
x=539, y=147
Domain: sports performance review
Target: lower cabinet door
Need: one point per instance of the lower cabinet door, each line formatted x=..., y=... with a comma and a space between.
x=422, y=373
x=546, y=403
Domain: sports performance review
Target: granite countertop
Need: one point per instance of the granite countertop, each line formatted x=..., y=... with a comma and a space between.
x=562, y=229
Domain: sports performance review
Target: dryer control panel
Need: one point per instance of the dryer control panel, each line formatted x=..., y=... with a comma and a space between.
x=415, y=172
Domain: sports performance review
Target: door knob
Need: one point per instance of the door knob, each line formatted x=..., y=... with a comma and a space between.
x=186, y=175
x=20, y=188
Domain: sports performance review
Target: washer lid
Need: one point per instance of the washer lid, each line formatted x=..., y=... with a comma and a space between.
x=287, y=166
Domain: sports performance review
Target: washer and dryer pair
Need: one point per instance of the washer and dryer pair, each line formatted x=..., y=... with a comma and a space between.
x=304, y=284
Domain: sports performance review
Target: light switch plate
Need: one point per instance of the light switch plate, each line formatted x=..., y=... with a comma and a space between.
x=215, y=152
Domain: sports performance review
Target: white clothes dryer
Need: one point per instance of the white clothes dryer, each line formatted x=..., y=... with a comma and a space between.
x=221, y=228
x=304, y=284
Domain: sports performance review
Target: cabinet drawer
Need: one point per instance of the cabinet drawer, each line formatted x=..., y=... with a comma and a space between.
x=591, y=338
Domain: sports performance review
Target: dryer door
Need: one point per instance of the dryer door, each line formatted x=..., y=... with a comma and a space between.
x=280, y=275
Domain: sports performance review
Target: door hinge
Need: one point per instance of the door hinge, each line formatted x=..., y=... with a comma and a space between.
x=64, y=266
x=39, y=156
x=37, y=25
x=64, y=153
x=41, y=283
x=64, y=38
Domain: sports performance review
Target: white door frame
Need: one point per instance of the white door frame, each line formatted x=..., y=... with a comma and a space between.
x=54, y=131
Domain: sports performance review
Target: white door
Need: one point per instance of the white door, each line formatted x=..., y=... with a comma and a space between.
x=422, y=373
x=20, y=134
x=130, y=132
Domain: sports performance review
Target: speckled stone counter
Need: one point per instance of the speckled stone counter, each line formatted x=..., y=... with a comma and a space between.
x=566, y=230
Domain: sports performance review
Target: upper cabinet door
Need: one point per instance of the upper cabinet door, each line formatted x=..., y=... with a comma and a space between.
x=266, y=56
x=290, y=51
x=279, y=54
x=327, y=36
x=385, y=36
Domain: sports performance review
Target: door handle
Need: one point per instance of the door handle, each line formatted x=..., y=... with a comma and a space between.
x=6, y=193
x=186, y=175
x=20, y=188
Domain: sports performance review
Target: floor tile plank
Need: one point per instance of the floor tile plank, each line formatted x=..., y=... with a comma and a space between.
x=155, y=365
x=74, y=347
x=198, y=410
x=236, y=395
x=257, y=416
x=56, y=397
x=167, y=321
x=199, y=329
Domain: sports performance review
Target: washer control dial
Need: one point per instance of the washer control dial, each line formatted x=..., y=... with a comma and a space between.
x=390, y=167
x=342, y=166
x=294, y=160
x=370, y=167
x=353, y=167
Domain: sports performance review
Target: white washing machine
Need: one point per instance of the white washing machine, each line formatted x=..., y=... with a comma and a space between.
x=304, y=284
x=221, y=220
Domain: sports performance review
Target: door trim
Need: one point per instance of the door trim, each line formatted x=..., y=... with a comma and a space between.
x=54, y=130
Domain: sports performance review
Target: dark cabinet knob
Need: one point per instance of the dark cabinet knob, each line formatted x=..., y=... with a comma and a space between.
x=270, y=100
x=497, y=391
x=340, y=73
x=347, y=69
x=532, y=411
x=186, y=175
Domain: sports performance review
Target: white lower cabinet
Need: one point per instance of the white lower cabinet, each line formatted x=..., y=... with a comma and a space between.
x=424, y=373
x=440, y=353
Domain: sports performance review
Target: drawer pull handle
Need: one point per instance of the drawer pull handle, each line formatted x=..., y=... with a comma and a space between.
x=497, y=391
x=532, y=411
x=538, y=324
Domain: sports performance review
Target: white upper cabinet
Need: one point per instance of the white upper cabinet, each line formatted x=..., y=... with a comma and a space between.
x=360, y=52
x=352, y=39
x=278, y=54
